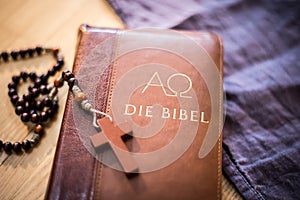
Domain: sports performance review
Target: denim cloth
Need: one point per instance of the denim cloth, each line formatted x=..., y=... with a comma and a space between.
x=261, y=144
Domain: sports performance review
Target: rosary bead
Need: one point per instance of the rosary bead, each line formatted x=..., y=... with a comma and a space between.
x=25, y=117
x=7, y=147
x=30, y=52
x=55, y=105
x=39, y=129
x=60, y=61
x=39, y=50
x=35, y=139
x=47, y=102
x=35, y=118
x=5, y=56
x=44, y=78
x=1, y=144
x=30, y=87
x=12, y=85
x=59, y=82
x=44, y=89
x=32, y=76
x=51, y=71
x=21, y=102
x=16, y=79
x=72, y=82
x=67, y=75
x=19, y=110
x=26, y=145
x=24, y=75
x=12, y=92
x=14, y=55
x=28, y=97
x=39, y=105
x=37, y=82
x=57, y=66
x=17, y=147
x=35, y=92
x=50, y=113
x=79, y=97
x=43, y=116
x=14, y=99
x=23, y=53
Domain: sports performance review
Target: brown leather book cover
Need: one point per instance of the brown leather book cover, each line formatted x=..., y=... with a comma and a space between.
x=167, y=87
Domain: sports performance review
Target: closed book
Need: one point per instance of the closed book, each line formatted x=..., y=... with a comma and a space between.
x=161, y=137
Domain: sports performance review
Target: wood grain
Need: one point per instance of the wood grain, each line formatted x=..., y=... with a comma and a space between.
x=49, y=23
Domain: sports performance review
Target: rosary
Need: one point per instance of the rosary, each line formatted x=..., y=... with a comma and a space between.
x=40, y=104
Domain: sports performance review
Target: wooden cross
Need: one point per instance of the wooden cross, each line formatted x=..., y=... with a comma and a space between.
x=116, y=136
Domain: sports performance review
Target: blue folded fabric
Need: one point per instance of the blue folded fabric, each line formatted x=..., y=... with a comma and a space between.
x=261, y=146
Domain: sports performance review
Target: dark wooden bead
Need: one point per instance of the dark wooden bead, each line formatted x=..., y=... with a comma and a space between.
x=5, y=56
x=47, y=102
x=67, y=75
x=14, y=99
x=16, y=79
x=43, y=116
x=30, y=87
x=23, y=53
x=35, y=92
x=25, y=117
x=55, y=105
x=1, y=144
x=30, y=52
x=19, y=110
x=35, y=118
x=12, y=92
x=21, y=102
x=44, y=78
x=72, y=82
x=26, y=145
x=39, y=105
x=38, y=82
x=17, y=147
x=44, y=89
x=7, y=147
x=32, y=76
x=51, y=72
x=12, y=85
x=24, y=75
x=28, y=97
x=50, y=113
x=60, y=61
x=39, y=50
x=64, y=72
x=57, y=67
x=59, y=82
x=39, y=129
x=14, y=55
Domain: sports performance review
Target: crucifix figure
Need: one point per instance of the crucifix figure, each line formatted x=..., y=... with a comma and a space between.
x=116, y=136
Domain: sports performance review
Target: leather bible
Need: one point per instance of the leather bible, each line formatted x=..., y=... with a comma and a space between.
x=163, y=93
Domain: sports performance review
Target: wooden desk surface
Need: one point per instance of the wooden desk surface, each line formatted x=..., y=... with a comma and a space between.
x=49, y=23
